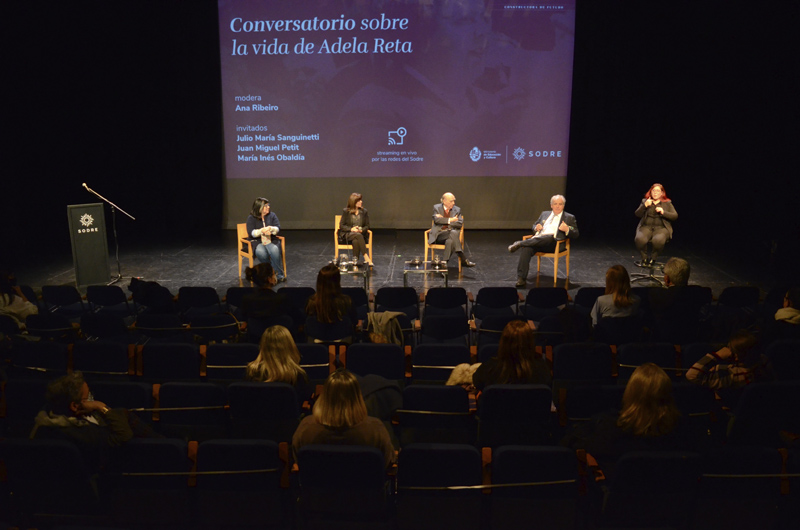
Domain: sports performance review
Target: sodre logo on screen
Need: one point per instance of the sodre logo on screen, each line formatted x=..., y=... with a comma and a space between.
x=520, y=153
x=475, y=154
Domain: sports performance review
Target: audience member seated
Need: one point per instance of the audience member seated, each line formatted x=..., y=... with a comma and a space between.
x=516, y=361
x=278, y=361
x=648, y=421
x=731, y=368
x=618, y=300
x=265, y=303
x=95, y=428
x=328, y=304
x=786, y=322
x=340, y=417
x=675, y=309
x=790, y=312
x=12, y=302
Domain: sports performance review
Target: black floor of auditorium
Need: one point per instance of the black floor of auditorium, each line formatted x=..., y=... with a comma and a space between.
x=211, y=261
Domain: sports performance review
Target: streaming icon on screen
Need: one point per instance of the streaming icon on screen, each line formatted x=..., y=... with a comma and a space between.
x=401, y=132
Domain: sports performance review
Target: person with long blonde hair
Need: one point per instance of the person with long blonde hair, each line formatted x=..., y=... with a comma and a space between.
x=618, y=300
x=278, y=361
x=648, y=420
x=516, y=360
x=340, y=417
x=648, y=406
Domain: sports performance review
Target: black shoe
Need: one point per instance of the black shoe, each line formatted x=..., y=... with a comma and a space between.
x=513, y=247
x=467, y=263
x=521, y=283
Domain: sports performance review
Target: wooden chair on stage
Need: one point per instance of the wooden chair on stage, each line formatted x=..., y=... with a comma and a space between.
x=435, y=246
x=246, y=248
x=562, y=249
x=344, y=246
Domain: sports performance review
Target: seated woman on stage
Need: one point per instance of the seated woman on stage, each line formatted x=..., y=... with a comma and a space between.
x=278, y=361
x=516, y=361
x=262, y=224
x=656, y=214
x=340, y=418
x=353, y=228
x=618, y=301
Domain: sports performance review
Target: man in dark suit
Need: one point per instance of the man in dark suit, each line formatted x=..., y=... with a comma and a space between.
x=446, y=230
x=551, y=226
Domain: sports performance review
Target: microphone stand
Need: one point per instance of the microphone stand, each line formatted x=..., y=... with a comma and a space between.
x=114, y=209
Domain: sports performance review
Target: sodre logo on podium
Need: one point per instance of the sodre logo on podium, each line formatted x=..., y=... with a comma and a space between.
x=87, y=221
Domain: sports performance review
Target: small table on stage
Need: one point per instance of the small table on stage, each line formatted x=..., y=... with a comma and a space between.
x=426, y=268
x=362, y=271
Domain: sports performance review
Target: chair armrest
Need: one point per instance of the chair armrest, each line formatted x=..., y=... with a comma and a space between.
x=248, y=243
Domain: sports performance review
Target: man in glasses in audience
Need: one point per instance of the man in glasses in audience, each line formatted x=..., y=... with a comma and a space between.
x=74, y=415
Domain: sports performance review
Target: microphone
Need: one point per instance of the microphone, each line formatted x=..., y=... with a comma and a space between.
x=85, y=186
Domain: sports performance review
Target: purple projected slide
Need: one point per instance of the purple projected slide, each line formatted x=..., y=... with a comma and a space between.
x=395, y=88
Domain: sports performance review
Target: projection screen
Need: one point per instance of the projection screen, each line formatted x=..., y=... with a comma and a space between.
x=400, y=100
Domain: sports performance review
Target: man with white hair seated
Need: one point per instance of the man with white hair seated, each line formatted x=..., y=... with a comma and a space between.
x=551, y=226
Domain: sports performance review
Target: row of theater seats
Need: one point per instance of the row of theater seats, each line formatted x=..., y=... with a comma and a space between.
x=506, y=414
x=68, y=301
x=198, y=314
x=226, y=483
x=158, y=362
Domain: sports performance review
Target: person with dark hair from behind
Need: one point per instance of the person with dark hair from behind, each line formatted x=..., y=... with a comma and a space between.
x=262, y=224
x=618, y=300
x=340, y=417
x=278, y=361
x=265, y=303
x=74, y=415
x=647, y=421
x=353, y=227
x=13, y=302
x=328, y=303
x=516, y=360
x=736, y=365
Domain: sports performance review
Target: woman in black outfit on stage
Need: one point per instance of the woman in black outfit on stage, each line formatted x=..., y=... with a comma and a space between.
x=353, y=227
x=656, y=214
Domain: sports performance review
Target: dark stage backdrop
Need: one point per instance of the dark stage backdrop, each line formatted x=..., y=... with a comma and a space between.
x=126, y=96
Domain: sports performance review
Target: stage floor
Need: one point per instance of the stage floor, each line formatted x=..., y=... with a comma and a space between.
x=212, y=262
